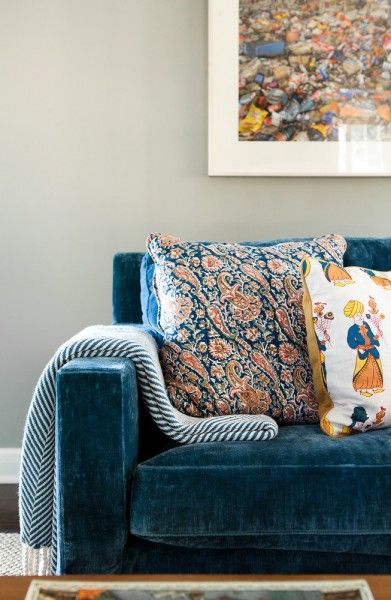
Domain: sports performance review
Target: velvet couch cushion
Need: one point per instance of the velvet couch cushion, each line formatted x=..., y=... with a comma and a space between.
x=302, y=489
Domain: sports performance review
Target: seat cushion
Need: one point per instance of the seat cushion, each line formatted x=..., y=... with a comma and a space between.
x=301, y=490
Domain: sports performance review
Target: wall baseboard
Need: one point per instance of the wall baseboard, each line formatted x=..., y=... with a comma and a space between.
x=9, y=465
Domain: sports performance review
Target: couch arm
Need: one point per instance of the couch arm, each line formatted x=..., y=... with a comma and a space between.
x=97, y=449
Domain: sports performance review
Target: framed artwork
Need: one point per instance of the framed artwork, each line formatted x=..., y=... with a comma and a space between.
x=204, y=590
x=312, y=76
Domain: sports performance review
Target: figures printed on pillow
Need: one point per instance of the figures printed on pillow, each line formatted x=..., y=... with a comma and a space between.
x=361, y=422
x=348, y=328
x=375, y=316
x=368, y=371
x=380, y=417
x=322, y=321
x=335, y=274
x=383, y=282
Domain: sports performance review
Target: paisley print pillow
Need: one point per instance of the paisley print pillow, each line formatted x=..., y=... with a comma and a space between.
x=348, y=318
x=233, y=326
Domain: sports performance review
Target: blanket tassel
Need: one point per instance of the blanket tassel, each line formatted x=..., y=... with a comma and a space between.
x=36, y=561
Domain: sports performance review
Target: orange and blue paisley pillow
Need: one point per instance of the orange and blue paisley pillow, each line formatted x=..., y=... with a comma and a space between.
x=233, y=326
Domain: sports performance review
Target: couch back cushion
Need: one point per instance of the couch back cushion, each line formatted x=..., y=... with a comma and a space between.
x=126, y=304
x=371, y=253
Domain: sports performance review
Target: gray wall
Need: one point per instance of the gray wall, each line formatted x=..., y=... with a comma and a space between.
x=103, y=139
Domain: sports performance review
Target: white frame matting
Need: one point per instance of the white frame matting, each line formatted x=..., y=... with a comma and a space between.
x=229, y=156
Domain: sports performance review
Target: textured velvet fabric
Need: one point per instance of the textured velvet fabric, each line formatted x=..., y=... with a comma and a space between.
x=372, y=253
x=201, y=489
x=126, y=287
x=144, y=557
x=302, y=503
x=97, y=448
x=300, y=490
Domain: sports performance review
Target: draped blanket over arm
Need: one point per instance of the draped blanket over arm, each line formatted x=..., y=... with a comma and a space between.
x=37, y=481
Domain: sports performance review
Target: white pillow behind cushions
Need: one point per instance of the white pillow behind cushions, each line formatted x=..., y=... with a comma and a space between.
x=348, y=320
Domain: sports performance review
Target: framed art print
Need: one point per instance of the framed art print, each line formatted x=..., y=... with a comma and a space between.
x=312, y=76
x=353, y=589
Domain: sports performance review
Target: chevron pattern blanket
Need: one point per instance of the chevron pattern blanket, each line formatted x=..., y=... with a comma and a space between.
x=37, y=496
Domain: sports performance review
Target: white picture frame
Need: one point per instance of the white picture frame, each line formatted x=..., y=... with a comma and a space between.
x=230, y=157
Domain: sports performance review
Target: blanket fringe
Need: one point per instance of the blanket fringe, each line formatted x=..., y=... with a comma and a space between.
x=36, y=561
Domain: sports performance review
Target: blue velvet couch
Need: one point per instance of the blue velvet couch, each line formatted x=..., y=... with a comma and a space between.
x=132, y=501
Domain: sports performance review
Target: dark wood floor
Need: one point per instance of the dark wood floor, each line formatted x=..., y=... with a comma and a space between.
x=9, y=520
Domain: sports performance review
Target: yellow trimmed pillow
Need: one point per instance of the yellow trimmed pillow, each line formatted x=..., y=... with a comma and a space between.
x=348, y=321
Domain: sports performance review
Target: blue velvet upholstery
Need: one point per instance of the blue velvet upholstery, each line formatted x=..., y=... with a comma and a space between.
x=372, y=253
x=302, y=503
x=303, y=489
x=147, y=557
x=126, y=287
x=97, y=449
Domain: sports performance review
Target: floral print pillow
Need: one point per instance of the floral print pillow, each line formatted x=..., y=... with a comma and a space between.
x=233, y=325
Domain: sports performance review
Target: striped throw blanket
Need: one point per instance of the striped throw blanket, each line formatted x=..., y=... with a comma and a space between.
x=37, y=495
